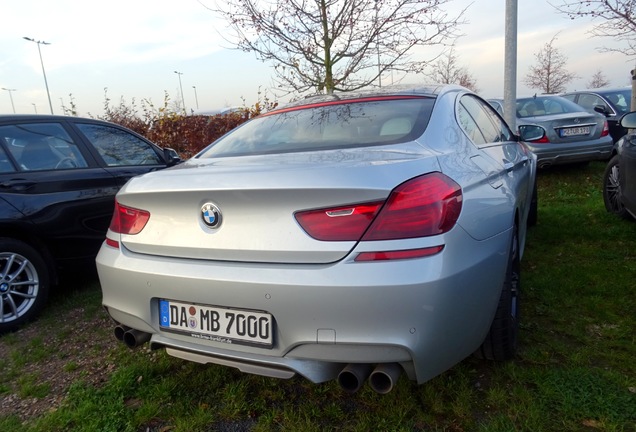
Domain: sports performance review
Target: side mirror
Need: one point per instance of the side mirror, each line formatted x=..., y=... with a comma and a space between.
x=628, y=121
x=171, y=156
x=601, y=109
x=531, y=132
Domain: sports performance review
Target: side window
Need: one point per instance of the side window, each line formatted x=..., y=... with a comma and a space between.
x=118, y=147
x=6, y=166
x=589, y=101
x=42, y=146
x=469, y=126
x=492, y=128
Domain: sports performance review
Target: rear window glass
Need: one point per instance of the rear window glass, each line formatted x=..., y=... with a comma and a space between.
x=542, y=106
x=345, y=124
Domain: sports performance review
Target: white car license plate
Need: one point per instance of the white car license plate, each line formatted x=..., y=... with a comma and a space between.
x=217, y=323
x=575, y=131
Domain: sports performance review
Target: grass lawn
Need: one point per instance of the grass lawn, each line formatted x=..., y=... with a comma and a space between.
x=575, y=371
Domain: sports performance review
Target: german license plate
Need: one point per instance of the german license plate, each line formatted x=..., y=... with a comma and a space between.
x=575, y=131
x=216, y=323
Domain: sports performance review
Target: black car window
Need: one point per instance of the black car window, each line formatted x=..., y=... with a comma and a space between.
x=118, y=147
x=493, y=128
x=620, y=99
x=42, y=146
x=589, y=101
x=6, y=166
x=569, y=97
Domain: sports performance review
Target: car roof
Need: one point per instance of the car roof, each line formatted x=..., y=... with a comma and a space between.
x=602, y=90
x=425, y=90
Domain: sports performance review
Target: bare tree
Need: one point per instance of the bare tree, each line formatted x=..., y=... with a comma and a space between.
x=328, y=45
x=616, y=20
x=549, y=73
x=448, y=71
x=598, y=80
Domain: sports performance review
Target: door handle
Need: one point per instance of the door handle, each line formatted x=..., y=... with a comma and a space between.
x=18, y=185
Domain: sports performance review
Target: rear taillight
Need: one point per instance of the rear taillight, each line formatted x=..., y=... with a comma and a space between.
x=128, y=220
x=423, y=206
x=605, y=131
x=344, y=223
x=543, y=140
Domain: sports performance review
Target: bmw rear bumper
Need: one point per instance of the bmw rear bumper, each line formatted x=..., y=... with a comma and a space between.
x=426, y=314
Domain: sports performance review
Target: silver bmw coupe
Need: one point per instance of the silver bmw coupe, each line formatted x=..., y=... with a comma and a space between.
x=355, y=236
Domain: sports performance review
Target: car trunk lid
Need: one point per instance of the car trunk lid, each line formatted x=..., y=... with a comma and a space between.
x=257, y=198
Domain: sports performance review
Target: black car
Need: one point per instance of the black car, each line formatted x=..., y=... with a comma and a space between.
x=58, y=180
x=613, y=103
x=619, y=180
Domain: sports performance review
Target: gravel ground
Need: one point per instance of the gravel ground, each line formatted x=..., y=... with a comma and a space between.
x=69, y=355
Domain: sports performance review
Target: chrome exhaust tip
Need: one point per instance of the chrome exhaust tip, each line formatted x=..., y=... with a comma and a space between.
x=353, y=376
x=120, y=330
x=133, y=338
x=384, y=377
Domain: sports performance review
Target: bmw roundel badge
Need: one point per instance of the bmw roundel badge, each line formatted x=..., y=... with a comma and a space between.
x=211, y=215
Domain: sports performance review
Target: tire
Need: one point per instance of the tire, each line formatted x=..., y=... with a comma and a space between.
x=612, y=190
x=24, y=284
x=501, y=341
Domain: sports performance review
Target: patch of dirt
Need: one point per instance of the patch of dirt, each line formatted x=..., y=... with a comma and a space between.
x=55, y=358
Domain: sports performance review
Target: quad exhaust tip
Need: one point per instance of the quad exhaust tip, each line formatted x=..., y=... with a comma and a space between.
x=353, y=376
x=382, y=379
x=131, y=337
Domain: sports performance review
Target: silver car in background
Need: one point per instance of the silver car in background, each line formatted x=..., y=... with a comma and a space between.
x=352, y=236
x=613, y=103
x=559, y=131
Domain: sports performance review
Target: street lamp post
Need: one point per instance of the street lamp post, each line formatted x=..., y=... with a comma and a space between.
x=35, y=108
x=10, y=97
x=196, y=98
x=181, y=87
x=46, y=84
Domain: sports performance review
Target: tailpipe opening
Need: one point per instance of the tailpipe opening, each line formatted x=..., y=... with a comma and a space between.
x=119, y=332
x=133, y=338
x=353, y=376
x=384, y=377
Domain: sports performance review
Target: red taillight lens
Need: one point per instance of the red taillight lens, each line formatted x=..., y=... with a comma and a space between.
x=423, y=206
x=543, y=140
x=605, y=131
x=345, y=223
x=128, y=220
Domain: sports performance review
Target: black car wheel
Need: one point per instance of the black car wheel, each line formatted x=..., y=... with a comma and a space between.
x=612, y=189
x=501, y=342
x=24, y=284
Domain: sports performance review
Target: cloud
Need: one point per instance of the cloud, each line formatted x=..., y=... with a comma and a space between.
x=116, y=31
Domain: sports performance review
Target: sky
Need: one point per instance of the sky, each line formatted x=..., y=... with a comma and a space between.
x=130, y=50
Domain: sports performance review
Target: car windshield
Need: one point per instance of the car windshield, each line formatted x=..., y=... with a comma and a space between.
x=543, y=106
x=620, y=99
x=328, y=125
